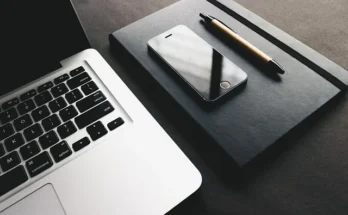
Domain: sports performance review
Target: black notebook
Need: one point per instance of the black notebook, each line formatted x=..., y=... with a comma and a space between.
x=267, y=108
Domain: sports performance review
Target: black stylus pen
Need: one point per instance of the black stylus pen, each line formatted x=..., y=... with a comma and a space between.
x=218, y=25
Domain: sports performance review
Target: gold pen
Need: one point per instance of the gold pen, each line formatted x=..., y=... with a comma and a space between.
x=218, y=25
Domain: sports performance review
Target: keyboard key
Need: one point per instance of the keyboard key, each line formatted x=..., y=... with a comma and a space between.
x=43, y=98
x=14, y=142
x=33, y=132
x=9, y=161
x=74, y=96
x=2, y=150
x=89, y=88
x=12, y=179
x=51, y=122
x=76, y=71
x=90, y=101
x=28, y=95
x=94, y=114
x=26, y=107
x=44, y=87
x=48, y=139
x=77, y=146
x=60, y=151
x=57, y=104
x=40, y=113
x=96, y=131
x=6, y=131
x=66, y=130
x=22, y=122
x=8, y=115
x=10, y=103
x=39, y=164
x=78, y=80
x=115, y=124
x=29, y=150
x=61, y=79
x=68, y=113
x=59, y=90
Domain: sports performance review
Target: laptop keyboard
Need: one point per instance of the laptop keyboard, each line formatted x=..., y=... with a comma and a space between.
x=35, y=125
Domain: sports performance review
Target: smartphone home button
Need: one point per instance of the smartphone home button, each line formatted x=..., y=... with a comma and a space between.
x=225, y=85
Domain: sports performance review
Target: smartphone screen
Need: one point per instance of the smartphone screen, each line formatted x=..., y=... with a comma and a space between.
x=208, y=72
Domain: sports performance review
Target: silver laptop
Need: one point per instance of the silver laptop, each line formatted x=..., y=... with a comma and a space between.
x=74, y=140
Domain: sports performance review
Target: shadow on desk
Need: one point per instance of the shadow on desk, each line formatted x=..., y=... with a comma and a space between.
x=222, y=165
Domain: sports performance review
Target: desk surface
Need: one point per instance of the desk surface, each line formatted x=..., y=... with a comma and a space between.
x=310, y=176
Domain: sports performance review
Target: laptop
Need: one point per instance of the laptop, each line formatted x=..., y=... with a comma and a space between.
x=74, y=140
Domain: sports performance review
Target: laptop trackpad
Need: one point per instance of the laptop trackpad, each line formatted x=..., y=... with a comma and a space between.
x=42, y=202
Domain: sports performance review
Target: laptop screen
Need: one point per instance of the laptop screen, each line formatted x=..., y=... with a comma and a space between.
x=35, y=36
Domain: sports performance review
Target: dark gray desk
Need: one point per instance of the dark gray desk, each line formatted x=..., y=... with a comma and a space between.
x=311, y=175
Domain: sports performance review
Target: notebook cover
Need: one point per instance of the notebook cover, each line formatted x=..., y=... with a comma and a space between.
x=252, y=120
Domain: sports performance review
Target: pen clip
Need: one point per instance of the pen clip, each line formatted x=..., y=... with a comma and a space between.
x=222, y=23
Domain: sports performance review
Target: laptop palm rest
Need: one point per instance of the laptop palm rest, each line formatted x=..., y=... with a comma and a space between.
x=42, y=202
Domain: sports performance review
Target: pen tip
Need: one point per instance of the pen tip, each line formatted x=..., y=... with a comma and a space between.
x=275, y=67
x=206, y=18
